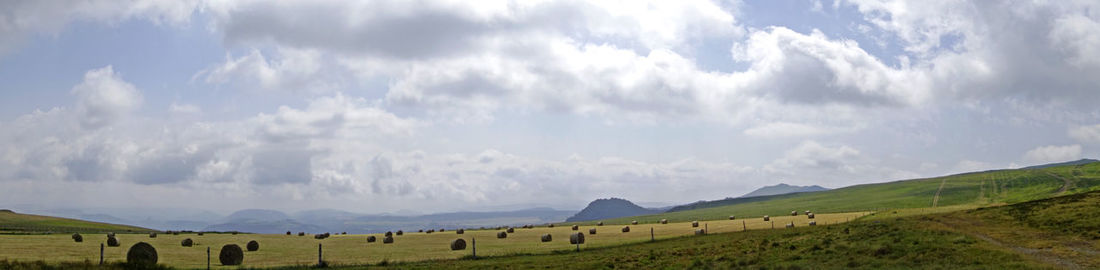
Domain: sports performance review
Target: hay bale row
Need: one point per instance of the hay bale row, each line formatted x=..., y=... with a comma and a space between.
x=112, y=241
x=576, y=238
x=592, y=231
x=664, y=221
x=695, y=224
x=371, y=239
x=575, y=227
x=78, y=238
x=502, y=235
x=626, y=229
x=458, y=244
x=231, y=254
x=387, y=240
x=546, y=238
x=141, y=255
x=460, y=231
x=766, y=218
x=187, y=242
x=252, y=245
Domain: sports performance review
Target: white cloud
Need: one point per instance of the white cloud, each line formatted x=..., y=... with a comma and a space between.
x=103, y=97
x=1086, y=134
x=785, y=129
x=1053, y=153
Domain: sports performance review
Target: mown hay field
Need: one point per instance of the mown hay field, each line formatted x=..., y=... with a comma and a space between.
x=284, y=250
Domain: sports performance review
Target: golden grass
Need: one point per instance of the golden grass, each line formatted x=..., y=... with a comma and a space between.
x=283, y=250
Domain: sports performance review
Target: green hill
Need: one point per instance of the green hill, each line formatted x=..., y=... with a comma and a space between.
x=970, y=189
x=11, y=222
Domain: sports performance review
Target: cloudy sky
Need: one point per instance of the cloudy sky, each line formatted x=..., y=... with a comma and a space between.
x=428, y=106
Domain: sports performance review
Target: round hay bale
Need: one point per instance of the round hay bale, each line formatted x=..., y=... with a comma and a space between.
x=766, y=218
x=794, y=213
x=576, y=238
x=807, y=212
x=700, y=232
x=400, y=232
x=458, y=244
x=633, y=222
x=551, y=225
x=233, y=233
x=592, y=231
x=78, y=238
x=511, y=230
x=460, y=231
x=371, y=239
x=626, y=228
x=732, y=217
x=200, y=233
x=420, y=230
x=575, y=227
x=810, y=215
x=442, y=230
x=546, y=238
x=387, y=240
x=329, y=234
x=664, y=221
x=142, y=254
x=813, y=223
x=343, y=233
x=301, y=233
x=430, y=231
x=287, y=232
x=790, y=225
x=178, y=233
x=152, y=235
x=695, y=224
x=187, y=242
x=231, y=254
x=112, y=241
x=388, y=234
x=252, y=245
x=599, y=223
x=502, y=235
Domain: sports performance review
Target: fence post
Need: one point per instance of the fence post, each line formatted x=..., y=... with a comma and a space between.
x=100, y=253
x=706, y=228
x=744, y=227
x=207, y=258
x=473, y=242
x=773, y=224
x=319, y=261
x=651, y=238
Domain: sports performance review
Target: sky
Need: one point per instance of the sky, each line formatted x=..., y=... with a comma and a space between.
x=433, y=106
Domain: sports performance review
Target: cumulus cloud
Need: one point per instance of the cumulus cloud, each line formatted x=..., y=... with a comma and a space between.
x=103, y=97
x=1053, y=153
x=1086, y=134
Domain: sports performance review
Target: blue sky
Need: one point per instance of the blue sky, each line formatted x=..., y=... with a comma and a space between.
x=377, y=106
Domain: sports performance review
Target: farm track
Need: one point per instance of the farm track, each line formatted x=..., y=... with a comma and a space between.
x=1067, y=184
x=936, y=198
x=1049, y=254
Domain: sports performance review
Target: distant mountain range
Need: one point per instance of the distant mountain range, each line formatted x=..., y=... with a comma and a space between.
x=610, y=208
x=782, y=189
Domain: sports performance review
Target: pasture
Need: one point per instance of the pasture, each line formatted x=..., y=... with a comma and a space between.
x=283, y=250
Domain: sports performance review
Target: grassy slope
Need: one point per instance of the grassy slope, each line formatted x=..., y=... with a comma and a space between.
x=23, y=223
x=1061, y=232
x=970, y=190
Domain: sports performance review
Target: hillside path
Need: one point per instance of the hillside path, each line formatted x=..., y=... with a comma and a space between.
x=936, y=198
x=1077, y=259
x=1065, y=183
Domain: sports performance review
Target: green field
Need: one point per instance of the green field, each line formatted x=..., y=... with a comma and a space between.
x=15, y=223
x=964, y=190
x=283, y=250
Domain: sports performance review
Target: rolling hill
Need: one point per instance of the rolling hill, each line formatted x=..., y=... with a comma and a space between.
x=968, y=189
x=11, y=222
x=782, y=189
x=610, y=208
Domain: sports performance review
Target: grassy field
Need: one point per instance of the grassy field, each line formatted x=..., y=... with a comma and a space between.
x=15, y=223
x=282, y=250
x=955, y=192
